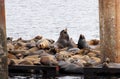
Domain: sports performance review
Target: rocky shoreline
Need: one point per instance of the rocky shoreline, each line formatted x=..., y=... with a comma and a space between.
x=47, y=52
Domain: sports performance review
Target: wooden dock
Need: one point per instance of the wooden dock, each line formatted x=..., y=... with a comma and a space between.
x=93, y=73
x=45, y=71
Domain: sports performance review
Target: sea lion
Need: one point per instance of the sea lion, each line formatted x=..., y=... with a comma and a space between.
x=78, y=62
x=63, y=39
x=11, y=56
x=38, y=52
x=63, y=55
x=106, y=63
x=31, y=44
x=43, y=44
x=48, y=60
x=39, y=37
x=51, y=41
x=73, y=68
x=19, y=56
x=31, y=51
x=14, y=61
x=26, y=62
x=86, y=58
x=82, y=44
x=52, y=50
x=74, y=50
x=20, y=46
x=35, y=59
x=94, y=42
x=95, y=61
x=9, y=39
x=10, y=47
x=77, y=57
x=92, y=54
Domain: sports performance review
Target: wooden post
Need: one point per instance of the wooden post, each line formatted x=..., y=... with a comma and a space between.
x=109, y=11
x=3, y=50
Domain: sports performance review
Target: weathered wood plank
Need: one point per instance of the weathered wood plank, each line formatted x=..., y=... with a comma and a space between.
x=109, y=11
x=3, y=50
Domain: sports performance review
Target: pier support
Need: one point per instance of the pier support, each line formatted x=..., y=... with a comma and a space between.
x=109, y=11
x=3, y=50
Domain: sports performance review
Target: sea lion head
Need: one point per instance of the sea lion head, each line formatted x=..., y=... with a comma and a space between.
x=81, y=36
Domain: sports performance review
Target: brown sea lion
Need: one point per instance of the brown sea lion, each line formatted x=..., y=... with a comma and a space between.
x=14, y=61
x=48, y=60
x=95, y=60
x=39, y=37
x=52, y=50
x=82, y=44
x=31, y=44
x=43, y=43
x=35, y=59
x=38, y=52
x=86, y=58
x=20, y=46
x=51, y=41
x=19, y=56
x=10, y=47
x=11, y=56
x=63, y=55
x=26, y=62
x=92, y=54
x=80, y=63
x=94, y=42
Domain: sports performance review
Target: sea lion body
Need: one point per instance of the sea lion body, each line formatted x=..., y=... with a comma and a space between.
x=48, y=60
x=74, y=50
x=63, y=55
x=10, y=47
x=43, y=43
x=94, y=42
x=82, y=44
x=64, y=41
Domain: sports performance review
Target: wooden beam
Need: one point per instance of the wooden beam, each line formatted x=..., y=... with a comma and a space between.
x=3, y=50
x=109, y=11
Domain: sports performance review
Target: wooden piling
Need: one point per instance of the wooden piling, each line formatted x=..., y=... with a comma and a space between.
x=109, y=11
x=3, y=50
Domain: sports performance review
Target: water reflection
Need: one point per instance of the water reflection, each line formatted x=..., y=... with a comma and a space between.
x=108, y=77
x=61, y=77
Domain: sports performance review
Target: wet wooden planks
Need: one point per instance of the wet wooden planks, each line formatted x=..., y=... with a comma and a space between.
x=42, y=70
x=93, y=73
x=89, y=73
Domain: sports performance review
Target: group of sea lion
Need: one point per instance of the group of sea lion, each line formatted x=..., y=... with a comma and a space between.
x=63, y=52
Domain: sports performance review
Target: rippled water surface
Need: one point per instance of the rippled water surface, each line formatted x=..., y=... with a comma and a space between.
x=28, y=18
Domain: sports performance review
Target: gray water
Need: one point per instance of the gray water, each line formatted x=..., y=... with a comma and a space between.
x=28, y=18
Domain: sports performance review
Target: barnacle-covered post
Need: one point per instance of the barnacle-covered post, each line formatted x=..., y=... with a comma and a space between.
x=109, y=11
x=3, y=50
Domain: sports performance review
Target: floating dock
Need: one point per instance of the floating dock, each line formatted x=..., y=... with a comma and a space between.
x=53, y=71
